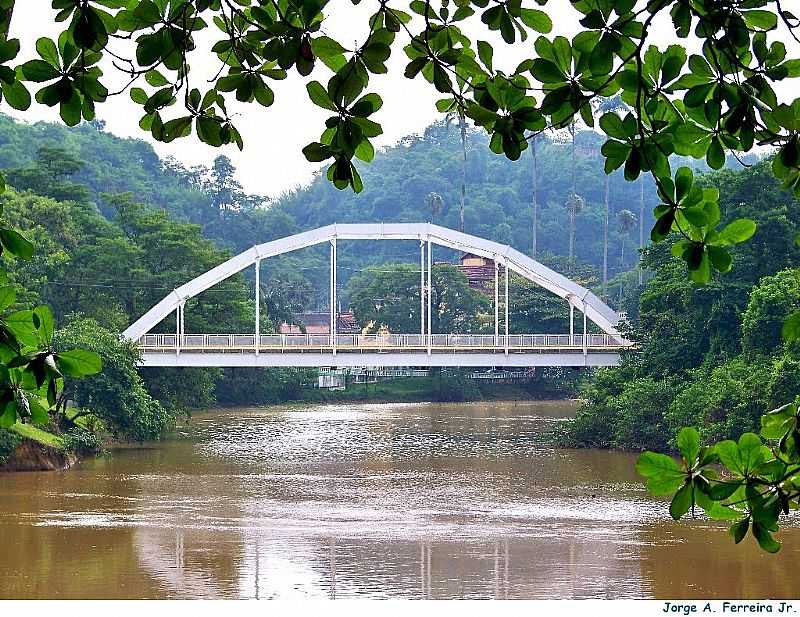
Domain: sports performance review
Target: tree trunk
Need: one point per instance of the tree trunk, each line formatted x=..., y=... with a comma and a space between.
x=535, y=195
x=573, y=199
x=641, y=226
x=605, y=241
x=462, y=124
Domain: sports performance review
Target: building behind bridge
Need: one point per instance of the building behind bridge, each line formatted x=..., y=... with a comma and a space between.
x=317, y=322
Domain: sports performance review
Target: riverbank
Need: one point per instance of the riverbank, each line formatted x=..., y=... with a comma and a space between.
x=428, y=389
x=28, y=448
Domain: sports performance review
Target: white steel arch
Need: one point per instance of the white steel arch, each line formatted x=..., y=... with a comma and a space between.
x=577, y=296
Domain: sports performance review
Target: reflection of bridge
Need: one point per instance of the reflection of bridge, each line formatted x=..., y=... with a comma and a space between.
x=423, y=349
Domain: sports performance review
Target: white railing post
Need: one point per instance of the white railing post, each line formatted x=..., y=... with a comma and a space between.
x=256, y=340
x=505, y=264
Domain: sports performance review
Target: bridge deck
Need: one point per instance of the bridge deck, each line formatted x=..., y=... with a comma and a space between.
x=381, y=350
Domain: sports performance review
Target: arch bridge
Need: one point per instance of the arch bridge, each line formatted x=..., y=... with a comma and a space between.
x=423, y=348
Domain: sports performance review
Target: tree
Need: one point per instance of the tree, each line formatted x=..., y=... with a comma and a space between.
x=627, y=221
x=610, y=55
x=434, y=202
x=574, y=205
x=50, y=175
x=117, y=395
x=534, y=194
x=608, y=105
x=389, y=296
x=574, y=201
x=462, y=128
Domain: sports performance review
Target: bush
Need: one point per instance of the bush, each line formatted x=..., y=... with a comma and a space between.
x=725, y=402
x=639, y=413
x=254, y=386
x=82, y=442
x=769, y=304
x=117, y=395
x=454, y=387
x=8, y=443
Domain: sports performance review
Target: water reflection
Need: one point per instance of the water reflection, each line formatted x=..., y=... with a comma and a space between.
x=415, y=501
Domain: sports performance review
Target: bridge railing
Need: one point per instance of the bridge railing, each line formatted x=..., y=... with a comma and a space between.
x=300, y=342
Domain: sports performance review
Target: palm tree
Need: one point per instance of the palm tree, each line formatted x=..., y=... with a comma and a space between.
x=574, y=202
x=612, y=104
x=627, y=221
x=534, y=139
x=434, y=202
x=641, y=226
x=574, y=205
x=458, y=115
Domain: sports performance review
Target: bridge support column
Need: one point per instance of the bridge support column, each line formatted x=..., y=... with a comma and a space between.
x=496, y=301
x=571, y=323
x=178, y=328
x=506, y=308
x=333, y=295
x=430, y=293
x=257, y=339
x=584, y=329
x=422, y=290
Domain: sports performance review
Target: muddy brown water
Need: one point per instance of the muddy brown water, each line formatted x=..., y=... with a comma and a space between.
x=377, y=500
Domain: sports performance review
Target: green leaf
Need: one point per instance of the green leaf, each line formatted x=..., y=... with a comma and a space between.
x=547, y=72
x=44, y=322
x=681, y=502
x=485, y=53
x=325, y=46
x=684, y=179
x=319, y=95
x=663, y=474
x=736, y=232
x=739, y=530
x=689, y=444
x=39, y=71
x=536, y=19
x=765, y=539
x=8, y=296
x=15, y=243
x=9, y=416
x=791, y=327
x=79, y=363
x=39, y=413
x=47, y=50
x=778, y=422
x=715, y=156
x=17, y=95
x=612, y=126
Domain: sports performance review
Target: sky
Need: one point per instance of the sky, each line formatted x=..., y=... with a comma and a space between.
x=272, y=161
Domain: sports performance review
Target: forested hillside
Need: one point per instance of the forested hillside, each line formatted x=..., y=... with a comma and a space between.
x=398, y=186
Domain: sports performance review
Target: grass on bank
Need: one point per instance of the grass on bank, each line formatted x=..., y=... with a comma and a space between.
x=41, y=436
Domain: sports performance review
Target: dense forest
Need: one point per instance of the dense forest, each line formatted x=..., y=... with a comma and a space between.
x=708, y=356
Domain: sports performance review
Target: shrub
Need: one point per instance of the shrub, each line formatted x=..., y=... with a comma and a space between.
x=8, y=443
x=82, y=442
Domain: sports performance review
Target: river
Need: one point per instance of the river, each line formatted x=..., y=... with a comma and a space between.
x=375, y=500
